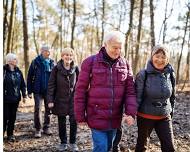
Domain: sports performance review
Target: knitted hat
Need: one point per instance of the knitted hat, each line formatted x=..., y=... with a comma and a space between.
x=160, y=48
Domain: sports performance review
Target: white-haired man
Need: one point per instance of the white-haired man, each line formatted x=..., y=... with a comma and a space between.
x=37, y=83
x=105, y=85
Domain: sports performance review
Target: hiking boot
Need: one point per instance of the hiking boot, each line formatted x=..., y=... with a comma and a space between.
x=11, y=138
x=62, y=147
x=47, y=131
x=37, y=134
x=73, y=147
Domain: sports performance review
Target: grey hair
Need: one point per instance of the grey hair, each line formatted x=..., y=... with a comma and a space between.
x=114, y=35
x=10, y=57
x=45, y=48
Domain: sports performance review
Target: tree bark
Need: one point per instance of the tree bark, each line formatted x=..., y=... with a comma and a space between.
x=152, y=24
x=11, y=25
x=73, y=24
x=5, y=23
x=182, y=45
x=25, y=34
x=138, y=37
x=130, y=28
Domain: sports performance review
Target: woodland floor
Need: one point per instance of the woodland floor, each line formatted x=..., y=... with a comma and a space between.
x=25, y=141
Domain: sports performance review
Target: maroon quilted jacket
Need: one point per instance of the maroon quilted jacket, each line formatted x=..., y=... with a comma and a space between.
x=102, y=91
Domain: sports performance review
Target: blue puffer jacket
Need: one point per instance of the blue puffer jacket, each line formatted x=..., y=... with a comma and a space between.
x=13, y=85
x=37, y=79
x=154, y=95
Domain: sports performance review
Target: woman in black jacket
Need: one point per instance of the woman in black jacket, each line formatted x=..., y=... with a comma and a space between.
x=60, y=97
x=13, y=85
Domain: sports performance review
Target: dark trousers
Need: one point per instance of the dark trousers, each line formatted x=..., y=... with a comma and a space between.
x=39, y=99
x=63, y=130
x=117, y=140
x=163, y=130
x=9, y=117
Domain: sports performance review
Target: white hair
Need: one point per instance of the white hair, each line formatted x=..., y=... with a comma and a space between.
x=45, y=48
x=10, y=57
x=116, y=35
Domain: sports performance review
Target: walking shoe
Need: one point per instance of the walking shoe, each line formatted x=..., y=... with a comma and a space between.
x=37, y=134
x=62, y=147
x=73, y=147
x=47, y=131
x=11, y=138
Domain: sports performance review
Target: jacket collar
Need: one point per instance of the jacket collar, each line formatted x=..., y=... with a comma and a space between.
x=62, y=69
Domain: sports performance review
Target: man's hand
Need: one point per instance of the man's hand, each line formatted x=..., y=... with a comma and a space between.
x=129, y=120
x=24, y=100
x=50, y=105
x=82, y=125
x=30, y=96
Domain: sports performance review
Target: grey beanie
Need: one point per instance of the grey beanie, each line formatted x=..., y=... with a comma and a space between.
x=160, y=47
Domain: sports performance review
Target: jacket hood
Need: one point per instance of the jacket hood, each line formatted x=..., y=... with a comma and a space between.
x=64, y=71
x=151, y=69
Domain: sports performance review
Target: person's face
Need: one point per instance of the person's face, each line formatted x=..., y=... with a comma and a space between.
x=159, y=60
x=13, y=62
x=46, y=54
x=113, y=48
x=67, y=57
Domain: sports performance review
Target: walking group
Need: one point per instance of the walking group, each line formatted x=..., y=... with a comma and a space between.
x=102, y=94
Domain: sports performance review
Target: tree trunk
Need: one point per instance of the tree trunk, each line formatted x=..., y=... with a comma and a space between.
x=182, y=45
x=25, y=34
x=103, y=20
x=11, y=25
x=129, y=29
x=97, y=24
x=73, y=24
x=152, y=24
x=138, y=37
x=34, y=30
x=5, y=23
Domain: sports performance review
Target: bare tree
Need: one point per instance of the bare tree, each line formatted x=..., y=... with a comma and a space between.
x=152, y=24
x=164, y=24
x=103, y=20
x=182, y=45
x=11, y=25
x=25, y=35
x=97, y=22
x=132, y=2
x=34, y=30
x=5, y=22
x=138, y=37
x=73, y=24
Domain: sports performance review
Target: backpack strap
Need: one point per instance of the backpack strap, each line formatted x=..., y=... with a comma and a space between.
x=92, y=64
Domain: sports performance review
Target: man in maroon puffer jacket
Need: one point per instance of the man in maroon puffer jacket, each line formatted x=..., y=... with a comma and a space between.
x=105, y=86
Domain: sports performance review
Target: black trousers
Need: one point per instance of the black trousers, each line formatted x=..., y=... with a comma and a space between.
x=164, y=131
x=63, y=130
x=9, y=117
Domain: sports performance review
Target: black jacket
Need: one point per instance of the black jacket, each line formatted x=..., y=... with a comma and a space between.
x=61, y=88
x=13, y=85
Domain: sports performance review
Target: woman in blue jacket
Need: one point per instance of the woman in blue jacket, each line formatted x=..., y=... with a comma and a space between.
x=13, y=85
x=155, y=88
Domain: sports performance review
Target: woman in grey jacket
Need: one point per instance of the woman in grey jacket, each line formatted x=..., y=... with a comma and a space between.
x=155, y=88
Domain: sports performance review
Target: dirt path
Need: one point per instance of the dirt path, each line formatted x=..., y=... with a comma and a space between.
x=25, y=141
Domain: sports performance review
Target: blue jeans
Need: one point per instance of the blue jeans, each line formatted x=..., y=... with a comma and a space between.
x=103, y=140
x=39, y=99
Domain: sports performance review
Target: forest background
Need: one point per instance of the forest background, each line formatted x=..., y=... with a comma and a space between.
x=81, y=25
